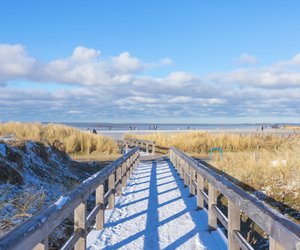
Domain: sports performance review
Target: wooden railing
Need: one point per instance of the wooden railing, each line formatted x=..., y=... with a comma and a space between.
x=33, y=234
x=147, y=144
x=283, y=233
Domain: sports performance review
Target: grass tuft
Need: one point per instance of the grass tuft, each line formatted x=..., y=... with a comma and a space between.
x=73, y=140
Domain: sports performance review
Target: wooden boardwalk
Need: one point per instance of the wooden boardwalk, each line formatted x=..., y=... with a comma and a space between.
x=164, y=203
x=156, y=211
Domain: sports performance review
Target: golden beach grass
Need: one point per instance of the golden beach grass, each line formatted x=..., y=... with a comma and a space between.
x=74, y=141
x=202, y=142
x=251, y=159
x=275, y=173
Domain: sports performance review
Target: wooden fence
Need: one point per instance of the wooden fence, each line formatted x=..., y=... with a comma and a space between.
x=147, y=144
x=34, y=233
x=283, y=233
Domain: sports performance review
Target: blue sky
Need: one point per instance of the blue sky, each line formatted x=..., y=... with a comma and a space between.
x=150, y=61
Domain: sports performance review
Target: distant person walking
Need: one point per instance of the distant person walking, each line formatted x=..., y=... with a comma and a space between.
x=262, y=128
x=94, y=131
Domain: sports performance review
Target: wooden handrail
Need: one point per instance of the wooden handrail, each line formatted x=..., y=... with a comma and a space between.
x=34, y=232
x=282, y=231
x=139, y=142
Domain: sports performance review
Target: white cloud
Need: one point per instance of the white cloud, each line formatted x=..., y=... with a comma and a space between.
x=120, y=87
x=84, y=54
x=247, y=59
x=265, y=77
x=126, y=63
x=179, y=78
x=166, y=61
x=14, y=62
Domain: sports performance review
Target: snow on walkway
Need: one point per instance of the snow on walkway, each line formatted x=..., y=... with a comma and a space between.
x=155, y=212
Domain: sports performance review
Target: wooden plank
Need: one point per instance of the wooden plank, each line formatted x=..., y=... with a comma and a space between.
x=212, y=200
x=139, y=140
x=194, y=183
x=100, y=201
x=204, y=196
x=111, y=186
x=131, y=165
x=177, y=164
x=44, y=245
x=92, y=215
x=127, y=168
x=38, y=227
x=118, y=177
x=274, y=245
x=124, y=174
x=234, y=224
x=221, y=217
x=80, y=223
x=200, y=187
x=243, y=243
x=75, y=236
x=272, y=222
x=181, y=168
x=185, y=174
x=192, y=178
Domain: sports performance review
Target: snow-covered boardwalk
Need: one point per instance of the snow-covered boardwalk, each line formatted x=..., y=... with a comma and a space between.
x=155, y=211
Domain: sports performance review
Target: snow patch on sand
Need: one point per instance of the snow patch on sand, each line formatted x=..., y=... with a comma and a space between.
x=155, y=212
x=3, y=149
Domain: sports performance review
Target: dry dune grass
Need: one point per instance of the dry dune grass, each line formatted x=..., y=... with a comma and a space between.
x=74, y=141
x=202, y=142
x=268, y=163
x=274, y=173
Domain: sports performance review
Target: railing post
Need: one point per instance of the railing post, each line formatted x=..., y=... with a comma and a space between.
x=138, y=157
x=153, y=149
x=80, y=223
x=192, y=178
x=200, y=187
x=181, y=168
x=234, y=223
x=136, y=161
x=212, y=200
x=127, y=168
x=274, y=245
x=130, y=166
x=126, y=147
x=111, y=185
x=124, y=169
x=147, y=148
x=101, y=214
x=177, y=164
x=44, y=245
x=118, y=178
x=186, y=172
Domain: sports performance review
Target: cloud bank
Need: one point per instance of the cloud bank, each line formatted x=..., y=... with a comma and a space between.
x=87, y=87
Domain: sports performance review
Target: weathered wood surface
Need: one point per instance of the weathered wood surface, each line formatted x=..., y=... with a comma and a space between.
x=234, y=223
x=80, y=223
x=139, y=140
x=148, y=144
x=100, y=202
x=38, y=227
x=276, y=225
